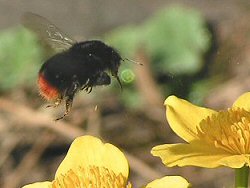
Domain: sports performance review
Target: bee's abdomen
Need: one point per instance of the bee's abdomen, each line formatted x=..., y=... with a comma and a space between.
x=63, y=69
x=46, y=90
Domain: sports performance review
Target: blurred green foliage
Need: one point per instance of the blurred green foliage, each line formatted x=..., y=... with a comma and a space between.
x=199, y=90
x=127, y=39
x=175, y=39
x=20, y=58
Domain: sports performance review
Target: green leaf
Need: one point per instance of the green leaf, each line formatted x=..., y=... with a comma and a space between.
x=177, y=39
x=127, y=39
x=20, y=58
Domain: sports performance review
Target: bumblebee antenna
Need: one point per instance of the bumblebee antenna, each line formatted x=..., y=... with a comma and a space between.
x=132, y=61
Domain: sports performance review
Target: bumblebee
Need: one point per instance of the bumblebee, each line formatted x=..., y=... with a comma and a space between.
x=77, y=66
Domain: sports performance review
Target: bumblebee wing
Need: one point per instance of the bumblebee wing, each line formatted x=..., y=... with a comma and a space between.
x=47, y=31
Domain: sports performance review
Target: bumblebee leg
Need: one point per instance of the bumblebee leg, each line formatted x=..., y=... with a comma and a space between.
x=101, y=78
x=88, y=89
x=69, y=103
x=85, y=85
x=56, y=104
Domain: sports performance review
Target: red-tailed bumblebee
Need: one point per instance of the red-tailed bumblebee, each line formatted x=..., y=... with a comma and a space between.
x=79, y=65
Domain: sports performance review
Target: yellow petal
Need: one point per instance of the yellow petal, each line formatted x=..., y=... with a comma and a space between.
x=243, y=101
x=88, y=151
x=183, y=117
x=45, y=184
x=197, y=154
x=235, y=161
x=169, y=181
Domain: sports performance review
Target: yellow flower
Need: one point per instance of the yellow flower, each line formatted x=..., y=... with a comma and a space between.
x=90, y=163
x=169, y=181
x=214, y=138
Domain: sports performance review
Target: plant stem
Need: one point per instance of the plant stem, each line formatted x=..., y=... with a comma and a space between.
x=241, y=177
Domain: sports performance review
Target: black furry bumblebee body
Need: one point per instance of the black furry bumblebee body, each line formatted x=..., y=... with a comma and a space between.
x=78, y=66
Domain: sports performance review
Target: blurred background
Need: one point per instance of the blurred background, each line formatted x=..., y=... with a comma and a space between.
x=197, y=50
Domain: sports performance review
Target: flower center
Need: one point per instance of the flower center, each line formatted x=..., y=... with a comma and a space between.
x=91, y=177
x=229, y=130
